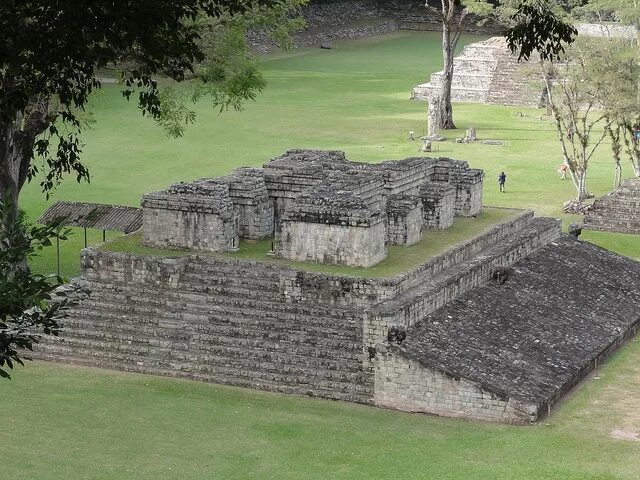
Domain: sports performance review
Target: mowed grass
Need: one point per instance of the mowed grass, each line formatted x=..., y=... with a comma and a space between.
x=399, y=259
x=353, y=98
x=76, y=423
x=65, y=423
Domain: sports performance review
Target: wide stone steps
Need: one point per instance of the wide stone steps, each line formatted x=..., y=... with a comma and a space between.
x=221, y=367
x=218, y=325
x=357, y=390
x=202, y=303
x=220, y=330
x=464, y=80
x=458, y=278
x=242, y=354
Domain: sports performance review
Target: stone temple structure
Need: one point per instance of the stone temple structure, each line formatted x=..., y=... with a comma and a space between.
x=487, y=72
x=618, y=211
x=319, y=206
x=498, y=327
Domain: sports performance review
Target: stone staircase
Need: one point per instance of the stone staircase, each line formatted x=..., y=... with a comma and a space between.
x=218, y=327
x=486, y=72
x=618, y=211
x=469, y=270
x=266, y=326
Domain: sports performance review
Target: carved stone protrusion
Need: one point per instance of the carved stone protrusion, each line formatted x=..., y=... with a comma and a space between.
x=396, y=334
x=575, y=229
x=501, y=274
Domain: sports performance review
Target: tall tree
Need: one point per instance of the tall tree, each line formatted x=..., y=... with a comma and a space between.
x=51, y=51
x=51, y=54
x=617, y=69
x=576, y=87
x=453, y=14
x=28, y=308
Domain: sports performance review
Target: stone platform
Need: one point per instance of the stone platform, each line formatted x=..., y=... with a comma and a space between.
x=487, y=72
x=500, y=352
x=619, y=211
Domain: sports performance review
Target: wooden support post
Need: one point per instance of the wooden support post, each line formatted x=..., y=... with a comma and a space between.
x=85, y=237
x=104, y=236
x=58, y=255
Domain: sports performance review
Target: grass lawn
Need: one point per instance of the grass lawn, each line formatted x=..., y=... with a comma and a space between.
x=76, y=423
x=400, y=258
x=80, y=423
x=353, y=98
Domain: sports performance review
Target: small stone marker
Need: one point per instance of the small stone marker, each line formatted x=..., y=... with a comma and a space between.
x=470, y=135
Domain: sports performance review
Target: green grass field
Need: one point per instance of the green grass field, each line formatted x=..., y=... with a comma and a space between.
x=76, y=423
x=353, y=98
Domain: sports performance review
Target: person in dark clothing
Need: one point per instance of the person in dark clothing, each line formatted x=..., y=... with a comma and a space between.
x=502, y=178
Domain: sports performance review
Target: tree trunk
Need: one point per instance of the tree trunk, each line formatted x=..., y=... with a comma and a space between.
x=10, y=168
x=616, y=148
x=581, y=177
x=446, y=109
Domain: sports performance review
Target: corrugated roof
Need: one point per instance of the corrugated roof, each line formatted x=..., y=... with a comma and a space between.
x=94, y=215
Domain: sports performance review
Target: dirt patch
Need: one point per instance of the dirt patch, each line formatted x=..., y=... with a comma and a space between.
x=621, y=434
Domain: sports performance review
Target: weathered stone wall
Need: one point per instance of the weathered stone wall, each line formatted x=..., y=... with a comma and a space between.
x=404, y=384
x=198, y=222
x=438, y=205
x=619, y=211
x=354, y=246
x=251, y=202
x=404, y=219
x=467, y=181
x=607, y=30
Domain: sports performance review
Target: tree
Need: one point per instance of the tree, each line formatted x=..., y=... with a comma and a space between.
x=51, y=54
x=453, y=15
x=27, y=307
x=576, y=86
x=617, y=69
x=51, y=51
x=539, y=27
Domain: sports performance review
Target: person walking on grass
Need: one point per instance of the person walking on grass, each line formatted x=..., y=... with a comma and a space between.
x=502, y=178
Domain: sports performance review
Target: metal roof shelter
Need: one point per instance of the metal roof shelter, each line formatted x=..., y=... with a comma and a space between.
x=92, y=215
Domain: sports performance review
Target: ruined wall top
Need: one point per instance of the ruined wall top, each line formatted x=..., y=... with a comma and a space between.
x=206, y=195
x=310, y=160
x=333, y=206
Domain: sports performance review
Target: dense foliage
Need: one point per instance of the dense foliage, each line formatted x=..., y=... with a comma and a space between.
x=53, y=51
x=26, y=307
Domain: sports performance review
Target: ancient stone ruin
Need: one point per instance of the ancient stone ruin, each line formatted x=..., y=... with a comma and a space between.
x=319, y=206
x=487, y=72
x=619, y=211
x=498, y=327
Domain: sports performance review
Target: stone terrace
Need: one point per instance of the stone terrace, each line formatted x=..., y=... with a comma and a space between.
x=487, y=72
x=520, y=345
x=617, y=212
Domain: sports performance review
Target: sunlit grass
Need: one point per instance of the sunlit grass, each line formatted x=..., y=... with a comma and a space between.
x=355, y=98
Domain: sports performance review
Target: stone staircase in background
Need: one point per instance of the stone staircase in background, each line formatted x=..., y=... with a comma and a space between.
x=618, y=211
x=486, y=72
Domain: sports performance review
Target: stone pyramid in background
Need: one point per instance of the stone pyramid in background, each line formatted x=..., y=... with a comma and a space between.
x=487, y=72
